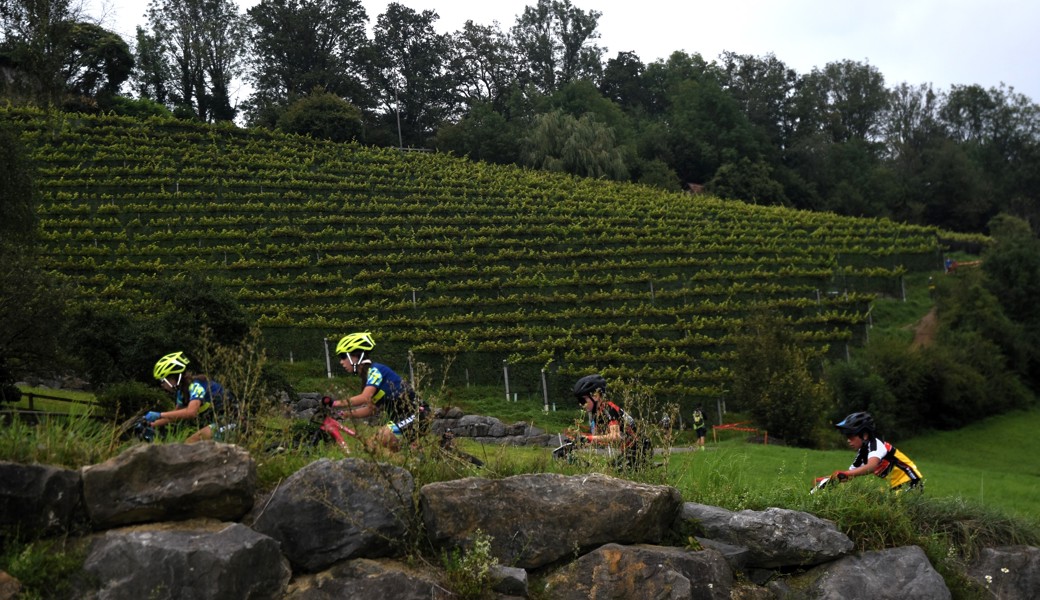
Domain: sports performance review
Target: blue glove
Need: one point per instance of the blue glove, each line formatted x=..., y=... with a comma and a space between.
x=151, y=417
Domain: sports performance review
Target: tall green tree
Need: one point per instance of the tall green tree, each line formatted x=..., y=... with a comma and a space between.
x=707, y=130
x=415, y=90
x=99, y=62
x=203, y=42
x=775, y=381
x=555, y=44
x=622, y=82
x=582, y=146
x=297, y=45
x=763, y=88
x=485, y=65
x=36, y=37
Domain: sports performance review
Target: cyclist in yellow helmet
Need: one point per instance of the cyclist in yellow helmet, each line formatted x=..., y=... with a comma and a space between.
x=383, y=390
x=195, y=397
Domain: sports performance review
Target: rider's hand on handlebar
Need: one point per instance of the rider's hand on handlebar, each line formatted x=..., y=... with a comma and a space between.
x=841, y=476
x=152, y=416
x=327, y=401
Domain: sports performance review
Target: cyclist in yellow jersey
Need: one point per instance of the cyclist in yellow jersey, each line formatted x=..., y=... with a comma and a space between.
x=875, y=456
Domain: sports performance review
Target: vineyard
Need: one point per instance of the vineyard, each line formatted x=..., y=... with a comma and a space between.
x=463, y=264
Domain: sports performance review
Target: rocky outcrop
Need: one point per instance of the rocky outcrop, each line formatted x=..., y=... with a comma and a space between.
x=192, y=559
x=351, y=528
x=535, y=520
x=39, y=498
x=166, y=482
x=329, y=511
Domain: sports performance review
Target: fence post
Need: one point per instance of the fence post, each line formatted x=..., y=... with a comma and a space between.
x=505, y=372
x=545, y=393
x=328, y=361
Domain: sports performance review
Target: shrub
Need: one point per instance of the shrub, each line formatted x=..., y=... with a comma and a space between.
x=120, y=401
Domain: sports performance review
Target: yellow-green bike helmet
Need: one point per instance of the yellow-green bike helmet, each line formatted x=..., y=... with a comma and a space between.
x=355, y=342
x=171, y=364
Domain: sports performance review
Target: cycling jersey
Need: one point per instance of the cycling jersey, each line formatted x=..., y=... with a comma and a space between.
x=894, y=466
x=211, y=396
x=396, y=398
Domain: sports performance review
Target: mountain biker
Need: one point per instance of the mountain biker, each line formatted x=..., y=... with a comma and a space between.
x=609, y=424
x=875, y=456
x=195, y=396
x=383, y=390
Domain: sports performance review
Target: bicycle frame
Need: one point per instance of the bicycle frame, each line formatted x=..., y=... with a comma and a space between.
x=335, y=429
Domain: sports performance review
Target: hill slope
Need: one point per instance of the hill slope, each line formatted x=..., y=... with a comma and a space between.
x=462, y=263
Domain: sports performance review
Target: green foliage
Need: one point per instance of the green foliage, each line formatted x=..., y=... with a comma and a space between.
x=467, y=572
x=46, y=568
x=774, y=381
x=583, y=146
x=120, y=401
x=323, y=115
x=70, y=442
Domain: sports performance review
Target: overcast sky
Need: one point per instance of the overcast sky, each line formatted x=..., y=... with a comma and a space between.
x=942, y=42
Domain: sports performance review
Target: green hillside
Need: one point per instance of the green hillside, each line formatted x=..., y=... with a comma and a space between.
x=461, y=263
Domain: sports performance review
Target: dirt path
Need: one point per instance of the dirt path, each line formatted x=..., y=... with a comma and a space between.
x=924, y=330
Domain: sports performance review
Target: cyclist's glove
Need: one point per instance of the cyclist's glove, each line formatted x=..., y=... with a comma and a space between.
x=152, y=416
x=327, y=401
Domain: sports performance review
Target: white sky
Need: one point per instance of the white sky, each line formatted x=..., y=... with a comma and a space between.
x=942, y=42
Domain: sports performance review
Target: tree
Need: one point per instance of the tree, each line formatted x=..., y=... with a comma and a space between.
x=99, y=62
x=554, y=43
x=749, y=181
x=846, y=100
x=763, y=88
x=36, y=35
x=152, y=77
x=773, y=381
x=585, y=147
x=202, y=41
x=707, y=130
x=485, y=64
x=415, y=89
x=324, y=116
x=622, y=82
x=300, y=45
x=483, y=134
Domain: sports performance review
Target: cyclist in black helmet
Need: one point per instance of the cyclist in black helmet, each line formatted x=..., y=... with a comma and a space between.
x=875, y=456
x=609, y=424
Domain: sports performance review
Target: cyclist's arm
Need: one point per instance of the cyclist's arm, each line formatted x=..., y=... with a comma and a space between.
x=188, y=412
x=865, y=469
x=360, y=405
x=613, y=434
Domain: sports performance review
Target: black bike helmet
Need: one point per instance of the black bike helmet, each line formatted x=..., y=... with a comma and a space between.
x=587, y=386
x=856, y=424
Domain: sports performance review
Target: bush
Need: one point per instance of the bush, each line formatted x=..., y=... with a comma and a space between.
x=324, y=116
x=120, y=401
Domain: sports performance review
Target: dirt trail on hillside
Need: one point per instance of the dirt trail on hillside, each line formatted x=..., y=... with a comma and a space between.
x=924, y=330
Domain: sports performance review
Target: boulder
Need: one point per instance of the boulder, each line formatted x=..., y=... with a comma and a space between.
x=892, y=574
x=775, y=537
x=199, y=559
x=1008, y=572
x=537, y=519
x=166, y=482
x=39, y=500
x=643, y=571
x=331, y=511
x=368, y=579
